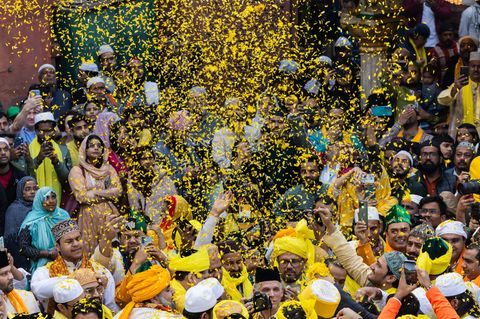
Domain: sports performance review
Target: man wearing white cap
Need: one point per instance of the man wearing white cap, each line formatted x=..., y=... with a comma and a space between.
x=466, y=109
x=369, y=235
x=108, y=62
x=51, y=161
x=454, y=289
x=86, y=70
x=403, y=176
x=65, y=294
x=199, y=302
x=454, y=233
x=55, y=99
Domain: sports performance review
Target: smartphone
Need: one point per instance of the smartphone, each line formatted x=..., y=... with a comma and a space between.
x=382, y=110
x=465, y=71
x=363, y=211
x=476, y=235
x=409, y=267
x=146, y=240
x=35, y=93
x=18, y=141
x=368, y=179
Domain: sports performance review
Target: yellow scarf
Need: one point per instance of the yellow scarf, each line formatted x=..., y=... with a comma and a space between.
x=230, y=284
x=45, y=172
x=457, y=68
x=73, y=150
x=468, y=103
x=419, y=53
x=179, y=294
x=17, y=302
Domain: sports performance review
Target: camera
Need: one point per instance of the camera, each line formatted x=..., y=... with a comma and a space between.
x=471, y=187
x=260, y=302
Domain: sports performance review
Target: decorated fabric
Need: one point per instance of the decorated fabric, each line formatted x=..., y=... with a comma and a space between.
x=230, y=284
x=435, y=256
x=397, y=214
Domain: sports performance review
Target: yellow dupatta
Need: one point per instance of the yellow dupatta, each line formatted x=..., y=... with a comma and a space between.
x=230, y=284
x=467, y=103
x=46, y=175
x=419, y=53
x=17, y=302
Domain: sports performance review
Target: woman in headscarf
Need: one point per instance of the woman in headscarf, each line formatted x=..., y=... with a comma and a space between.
x=17, y=211
x=36, y=240
x=95, y=184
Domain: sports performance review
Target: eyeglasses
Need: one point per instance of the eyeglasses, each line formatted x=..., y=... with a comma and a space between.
x=430, y=211
x=428, y=155
x=293, y=262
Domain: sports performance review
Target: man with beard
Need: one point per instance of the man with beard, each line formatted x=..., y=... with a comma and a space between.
x=416, y=238
x=431, y=174
x=466, y=45
x=147, y=92
x=235, y=276
x=463, y=156
x=16, y=301
x=302, y=197
x=403, y=178
x=108, y=63
x=55, y=100
x=445, y=49
x=79, y=126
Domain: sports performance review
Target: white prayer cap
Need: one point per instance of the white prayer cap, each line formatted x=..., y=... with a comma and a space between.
x=312, y=86
x=105, y=48
x=416, y=198
x=67, y=290
x=343, y=42
x=407, y=154
x=44, y=117
x=199, y=298
x=288, y=66
x=94, y=80
x=474, y=56
x=214, y=285
x=198, y=90
x=451, y=284
x=325, y=59
x=233, y=101
x=89, y=67
x=451, y=227
x=44, y=66
x=326, y=296
x=4, y=140
x=372, y=214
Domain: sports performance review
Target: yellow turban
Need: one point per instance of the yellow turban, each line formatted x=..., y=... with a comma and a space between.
x=435, y=256
x=288, y=305
x=297, y=243
x=226, y=308
x=196, y=262
x=144, y=286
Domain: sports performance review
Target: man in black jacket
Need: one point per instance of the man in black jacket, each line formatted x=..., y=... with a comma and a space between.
x=9, y=176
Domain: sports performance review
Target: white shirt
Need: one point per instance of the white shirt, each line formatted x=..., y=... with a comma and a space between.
x=42, y=285
x=149, y=313
x=28, y=299
x=469, y=22
x=429, y=19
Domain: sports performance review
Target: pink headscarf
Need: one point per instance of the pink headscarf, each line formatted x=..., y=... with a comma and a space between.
x=102, y=126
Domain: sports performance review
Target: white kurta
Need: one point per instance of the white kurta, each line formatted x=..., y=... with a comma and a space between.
x=27, y=297
x=149, y=313
x=42, y=285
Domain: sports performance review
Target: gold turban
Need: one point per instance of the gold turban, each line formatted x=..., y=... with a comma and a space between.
x=297, y=243
x=144, y=286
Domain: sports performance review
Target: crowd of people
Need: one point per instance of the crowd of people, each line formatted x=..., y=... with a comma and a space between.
x=121, y=199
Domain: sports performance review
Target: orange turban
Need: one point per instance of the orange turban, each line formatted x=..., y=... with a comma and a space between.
x=144, y=286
